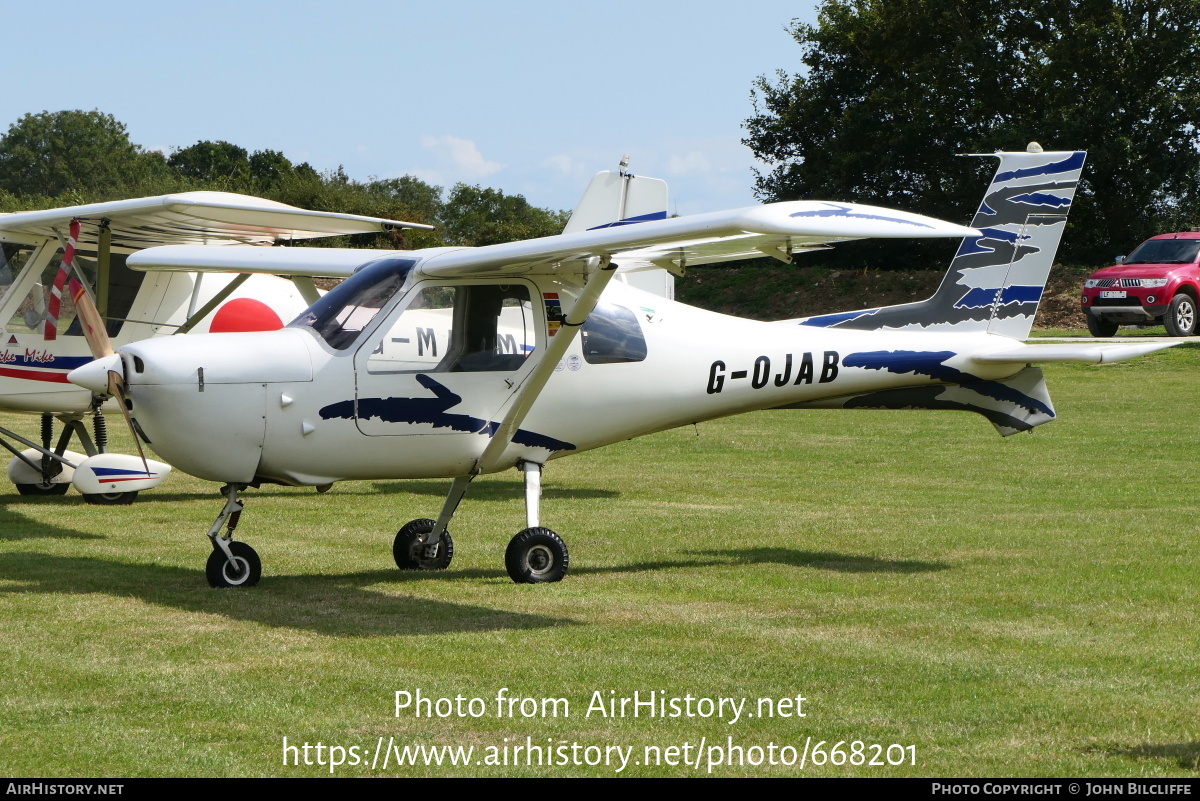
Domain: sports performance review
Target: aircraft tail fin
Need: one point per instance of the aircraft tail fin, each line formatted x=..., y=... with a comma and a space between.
x=996, y=280
x=621, y=198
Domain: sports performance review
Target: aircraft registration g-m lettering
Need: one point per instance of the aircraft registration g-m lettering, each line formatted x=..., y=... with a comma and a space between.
x=761, y=376
x=455, y=362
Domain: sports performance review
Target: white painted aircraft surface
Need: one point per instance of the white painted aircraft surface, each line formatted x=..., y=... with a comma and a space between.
x=455, y=362
x=41, y=334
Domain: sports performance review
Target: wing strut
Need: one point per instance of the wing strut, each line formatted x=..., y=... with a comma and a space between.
x=528, y=393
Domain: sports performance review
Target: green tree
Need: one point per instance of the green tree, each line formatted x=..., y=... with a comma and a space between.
x=476, y=216
x=87, y=153
x=268, y=168
x=894, y=88
x=219, y=164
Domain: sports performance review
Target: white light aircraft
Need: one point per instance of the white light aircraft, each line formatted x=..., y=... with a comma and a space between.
x=41, y=330
x=454, y=362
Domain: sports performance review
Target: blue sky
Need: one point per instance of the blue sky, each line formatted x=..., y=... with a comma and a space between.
x=530, y=97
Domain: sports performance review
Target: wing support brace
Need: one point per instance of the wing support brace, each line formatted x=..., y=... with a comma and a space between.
x=528, y=393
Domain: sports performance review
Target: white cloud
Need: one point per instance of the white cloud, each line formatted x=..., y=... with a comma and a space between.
x=564, y=164
x=693, y=162
x=461, y=156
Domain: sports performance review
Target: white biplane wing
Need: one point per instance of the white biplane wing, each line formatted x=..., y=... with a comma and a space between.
x=191, y=218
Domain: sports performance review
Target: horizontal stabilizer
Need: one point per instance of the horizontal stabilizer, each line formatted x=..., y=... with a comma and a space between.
x=1073, y=354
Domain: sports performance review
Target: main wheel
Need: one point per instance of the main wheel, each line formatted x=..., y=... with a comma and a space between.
x=1180, y=318
x=110, y=498
x=1099, y=327
x=408, y=550
x=536, y=555
x=43, y=489
x=244, y=570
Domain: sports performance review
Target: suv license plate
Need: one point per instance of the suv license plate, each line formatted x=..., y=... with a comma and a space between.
x=1113, y=293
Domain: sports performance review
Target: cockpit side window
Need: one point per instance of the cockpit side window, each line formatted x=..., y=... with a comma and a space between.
x=12, y=259
x=345, y=311
x=612, y=335
x=462, y=328
x=33, y=313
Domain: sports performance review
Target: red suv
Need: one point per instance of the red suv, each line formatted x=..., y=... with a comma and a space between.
x=1159, y=282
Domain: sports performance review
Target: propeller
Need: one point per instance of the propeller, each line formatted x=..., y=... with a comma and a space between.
x=96, y=334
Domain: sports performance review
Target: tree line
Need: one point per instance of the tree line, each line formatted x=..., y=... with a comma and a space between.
x=62, y=158
x=891, y=90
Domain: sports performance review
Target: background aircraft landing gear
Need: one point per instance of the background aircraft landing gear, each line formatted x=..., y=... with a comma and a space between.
x=110, y=498
x=231, y=564
x=409, y=547
x=43, y=489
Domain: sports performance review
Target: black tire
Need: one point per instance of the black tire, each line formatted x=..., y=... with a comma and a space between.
x=43, y=489
x=1099, y=327
x=110, y=498
x=244, y=571
x=406, y=546
x=1180, y=318
x=536, y=556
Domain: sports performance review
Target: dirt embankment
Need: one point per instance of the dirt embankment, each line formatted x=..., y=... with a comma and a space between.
x=784, y=292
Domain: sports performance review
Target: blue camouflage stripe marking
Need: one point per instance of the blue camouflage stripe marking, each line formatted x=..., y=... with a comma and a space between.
x=932, y=364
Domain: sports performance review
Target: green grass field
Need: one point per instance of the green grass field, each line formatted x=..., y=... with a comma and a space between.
x=1004, y=607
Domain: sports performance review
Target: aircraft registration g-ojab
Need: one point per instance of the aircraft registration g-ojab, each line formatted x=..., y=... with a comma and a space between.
x=50, y=293
x=454, y=362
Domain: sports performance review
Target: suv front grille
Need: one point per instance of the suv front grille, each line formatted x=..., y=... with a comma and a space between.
x=1125, y=282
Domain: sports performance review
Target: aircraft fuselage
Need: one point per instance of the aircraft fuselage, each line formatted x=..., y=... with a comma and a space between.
x=296, y=410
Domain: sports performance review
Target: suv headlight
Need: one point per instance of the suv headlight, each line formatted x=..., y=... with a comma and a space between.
x=1154, y=282
x=1091, y=283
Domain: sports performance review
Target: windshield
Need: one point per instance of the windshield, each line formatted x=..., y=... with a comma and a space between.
x=347, y=309
x=1165, y=251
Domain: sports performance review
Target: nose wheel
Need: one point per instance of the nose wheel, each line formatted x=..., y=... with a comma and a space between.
x=242, y=569
x=231, y=563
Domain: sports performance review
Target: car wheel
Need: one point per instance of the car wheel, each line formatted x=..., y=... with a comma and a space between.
x=1180, y=318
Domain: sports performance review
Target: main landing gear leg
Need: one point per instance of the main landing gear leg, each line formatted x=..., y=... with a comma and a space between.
x=426, y=544
x=537, y=554
x=231, y=564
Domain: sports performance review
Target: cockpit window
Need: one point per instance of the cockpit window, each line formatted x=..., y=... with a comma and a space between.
x=611, y=335
x=345, y=311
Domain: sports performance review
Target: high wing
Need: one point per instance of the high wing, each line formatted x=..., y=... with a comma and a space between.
x=777, y=229
x=780, y=228
x=191, y=218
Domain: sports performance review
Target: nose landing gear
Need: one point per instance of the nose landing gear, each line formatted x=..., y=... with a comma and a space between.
x=231, y=564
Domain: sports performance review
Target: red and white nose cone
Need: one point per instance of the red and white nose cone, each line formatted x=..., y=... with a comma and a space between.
x=94, y=374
